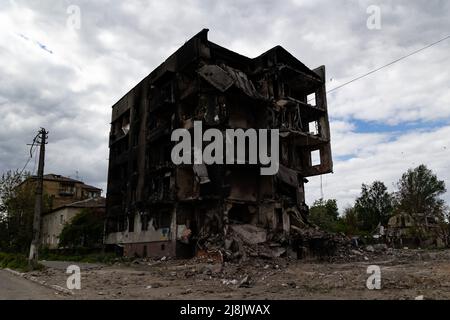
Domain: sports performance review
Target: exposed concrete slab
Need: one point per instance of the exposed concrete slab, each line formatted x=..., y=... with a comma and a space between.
x=250, y=233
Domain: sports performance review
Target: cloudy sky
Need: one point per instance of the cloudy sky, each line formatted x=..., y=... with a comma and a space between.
x=64, y=78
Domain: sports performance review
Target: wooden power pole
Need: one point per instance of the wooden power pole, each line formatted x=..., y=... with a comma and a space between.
x=38, y=201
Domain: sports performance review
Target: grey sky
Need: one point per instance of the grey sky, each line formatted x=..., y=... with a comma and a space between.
x=67, y=80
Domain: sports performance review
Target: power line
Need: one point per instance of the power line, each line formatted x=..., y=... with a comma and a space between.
x=30, y=157
x=23, y=169
x=389, y=64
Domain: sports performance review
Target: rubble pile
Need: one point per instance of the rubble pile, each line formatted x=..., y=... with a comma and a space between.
x=243, y=242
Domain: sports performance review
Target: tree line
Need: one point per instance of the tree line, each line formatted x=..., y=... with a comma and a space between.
x=16, y=212
x=417, y=192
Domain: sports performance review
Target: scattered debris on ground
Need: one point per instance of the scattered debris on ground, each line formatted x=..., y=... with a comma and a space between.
x=405, y=274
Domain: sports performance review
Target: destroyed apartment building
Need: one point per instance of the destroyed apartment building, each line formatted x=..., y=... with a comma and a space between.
x=156, y=208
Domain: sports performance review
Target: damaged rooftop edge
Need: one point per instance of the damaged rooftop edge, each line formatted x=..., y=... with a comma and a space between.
x=156, y=208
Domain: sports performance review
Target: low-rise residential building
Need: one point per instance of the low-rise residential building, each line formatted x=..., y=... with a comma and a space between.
x=62, y=190
x=64, y=199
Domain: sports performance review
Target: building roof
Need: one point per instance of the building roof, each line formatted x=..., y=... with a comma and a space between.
x=57, y=177
x=60, y=178
x=99, y=202
x=88, y=187
x=88, y=203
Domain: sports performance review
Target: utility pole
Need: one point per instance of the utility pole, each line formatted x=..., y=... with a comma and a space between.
x=33, y=258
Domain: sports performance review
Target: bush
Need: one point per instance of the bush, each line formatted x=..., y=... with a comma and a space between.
x=85, y=230
x=77, y=256
x=324, y=213
x=17, y=262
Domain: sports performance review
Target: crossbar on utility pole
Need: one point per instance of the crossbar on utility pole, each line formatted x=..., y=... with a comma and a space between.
x=33, y=258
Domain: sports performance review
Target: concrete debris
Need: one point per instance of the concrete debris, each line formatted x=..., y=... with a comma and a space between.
x=380, y=247
x=245, y=283
x=247, y=241
x=216, y=76
x=312, y=242
x=278, y=252
x=416, y=230
x=211, y=269
x=250, y=234
x=210, y=255
x=412, y=273
x=189, y=274
x=228, y=282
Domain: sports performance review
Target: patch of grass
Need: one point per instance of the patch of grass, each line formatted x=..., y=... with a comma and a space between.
x=17, y=261
x=106, y=258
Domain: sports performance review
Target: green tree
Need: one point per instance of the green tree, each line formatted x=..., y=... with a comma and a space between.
x=17, y=211
x=418, y=192
x=85, y=230
x=324, y=213
x=8, y=183
x=4, y=239
x=374, y=206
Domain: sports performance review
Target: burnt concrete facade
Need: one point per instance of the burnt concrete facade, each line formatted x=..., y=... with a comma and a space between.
x=156, y=208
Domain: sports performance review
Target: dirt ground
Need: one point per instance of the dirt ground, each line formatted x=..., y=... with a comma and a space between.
x=405, y=274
